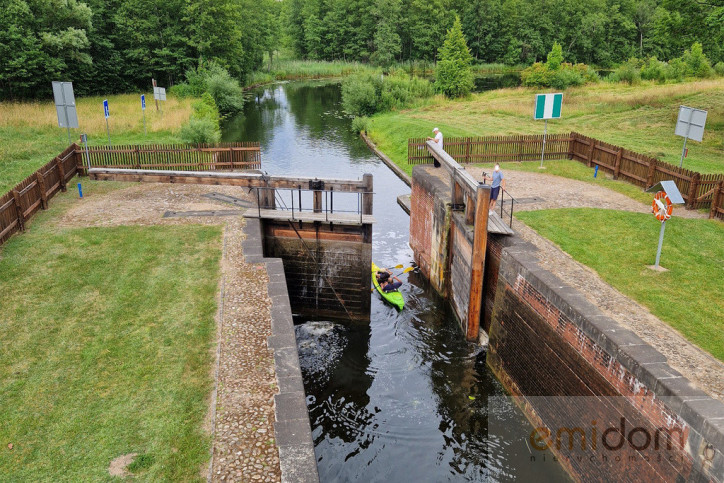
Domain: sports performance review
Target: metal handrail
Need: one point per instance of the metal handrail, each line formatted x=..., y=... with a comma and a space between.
x=503, y=191
x=327, y=207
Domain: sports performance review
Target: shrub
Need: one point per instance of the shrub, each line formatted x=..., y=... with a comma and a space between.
x=654, y=69
x=677, y=69
x=555, y=57
x=537, y=75
x=628, y=72
x=366, y=94
x=198, y=131
x=556, y=73
x=360, y=123
x=453, y=75
x=216, y=80
x=566, y=77
x=697, y=63
x=719, y=68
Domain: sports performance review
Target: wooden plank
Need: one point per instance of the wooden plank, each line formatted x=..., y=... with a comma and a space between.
x=480, y=242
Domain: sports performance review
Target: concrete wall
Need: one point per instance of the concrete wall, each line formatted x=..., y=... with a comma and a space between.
x=329, y=266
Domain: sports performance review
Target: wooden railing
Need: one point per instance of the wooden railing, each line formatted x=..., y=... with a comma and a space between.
x=203, y=157
x=699, y=190
x=19, y=204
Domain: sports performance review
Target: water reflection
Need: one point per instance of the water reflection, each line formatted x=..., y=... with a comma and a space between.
x=403, y=398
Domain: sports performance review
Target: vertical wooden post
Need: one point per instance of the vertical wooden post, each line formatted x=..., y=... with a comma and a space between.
x=19, y=210
x=153, y=81
x=41, y=186
x=467, y=149
x=367, y=197
x=693, y=187
x=317, y=199
x=617, y=165
x=470, y=207
x=138, y=157
x=480, y=244
x=78, y=153
x=591, y=148
x=716, y=199
x=458, y=195
x=61, y=173
x=651, y=173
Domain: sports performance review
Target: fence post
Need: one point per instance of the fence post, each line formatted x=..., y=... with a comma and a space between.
x=19, y=210
x=467, y=149
x=41, y=186
x=78, y=153
x=591, y=148
x=651, y=173
x=716, y=200
x=617, y=166
x=571, y=143
x=138, y=157
x=61, y=174
x=693, y=187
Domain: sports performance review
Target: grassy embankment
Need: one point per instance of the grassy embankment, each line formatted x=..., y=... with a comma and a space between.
x=98, y=363
x=619, y=245
x=30, y=136
x=640, y=118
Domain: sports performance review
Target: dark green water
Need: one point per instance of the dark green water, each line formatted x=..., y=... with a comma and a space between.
x=403, y=398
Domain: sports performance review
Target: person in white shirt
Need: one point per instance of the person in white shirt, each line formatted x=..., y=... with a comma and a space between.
x=437, y=138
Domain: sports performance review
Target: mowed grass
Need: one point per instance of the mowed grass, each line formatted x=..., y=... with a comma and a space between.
x=106, y=349
x=30, y=136
x=619, y=245
x=640, y=118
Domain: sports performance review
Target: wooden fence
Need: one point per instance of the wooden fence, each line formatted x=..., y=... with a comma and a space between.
x=19, y=204
x=203, y=157
x=490, y=149
x=698, y=190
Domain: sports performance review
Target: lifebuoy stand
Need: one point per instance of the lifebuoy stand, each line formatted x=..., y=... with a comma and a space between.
x=667, y=195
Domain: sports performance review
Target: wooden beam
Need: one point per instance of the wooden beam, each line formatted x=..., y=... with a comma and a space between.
x=367, y=196
x=480, y=244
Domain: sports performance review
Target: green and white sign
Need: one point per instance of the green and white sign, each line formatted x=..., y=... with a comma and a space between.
x=548, y=106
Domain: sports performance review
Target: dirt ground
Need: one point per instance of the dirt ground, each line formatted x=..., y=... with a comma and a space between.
x=241, y=411
x=555, y=192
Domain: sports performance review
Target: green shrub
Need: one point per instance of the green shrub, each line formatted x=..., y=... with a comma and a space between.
x=566, y=77
x=366, y=94
x=200, y=131
x=555, y=57
x=359, y=124
x=556, y=73
x=205, y=108
x=628, y=72
x=654, y=69
x=719, y=68
x=537, y=75
x=676, y=70
x=697, y=63
x=216, y=80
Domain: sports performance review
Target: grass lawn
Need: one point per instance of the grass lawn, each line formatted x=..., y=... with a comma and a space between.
x=107, y=338
x=619, y=245
x=640, y=118
x=30, y=136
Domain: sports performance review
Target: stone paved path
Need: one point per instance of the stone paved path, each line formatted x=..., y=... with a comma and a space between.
x=241, y=415
x=698, y=366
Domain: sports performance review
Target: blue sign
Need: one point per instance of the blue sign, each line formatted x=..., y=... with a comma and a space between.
x=143, y=102
x=105, y=108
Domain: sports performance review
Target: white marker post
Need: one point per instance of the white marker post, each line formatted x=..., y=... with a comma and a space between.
x=107, y=113
x=667, y=195
x=547, y=106
x=690, y=125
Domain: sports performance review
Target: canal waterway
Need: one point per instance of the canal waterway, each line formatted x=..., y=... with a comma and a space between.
x=403, y=398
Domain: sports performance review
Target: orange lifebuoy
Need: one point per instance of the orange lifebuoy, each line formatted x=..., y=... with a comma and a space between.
x=662, y=209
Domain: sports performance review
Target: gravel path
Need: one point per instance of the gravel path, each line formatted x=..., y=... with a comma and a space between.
x=555, y=192
x=241, y=415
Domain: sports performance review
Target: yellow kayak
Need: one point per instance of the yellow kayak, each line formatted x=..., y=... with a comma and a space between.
x=393, y=298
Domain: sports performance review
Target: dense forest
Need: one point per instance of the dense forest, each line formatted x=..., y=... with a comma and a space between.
x=118, y=45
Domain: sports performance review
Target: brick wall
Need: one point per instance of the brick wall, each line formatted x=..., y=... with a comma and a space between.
x=569, y=362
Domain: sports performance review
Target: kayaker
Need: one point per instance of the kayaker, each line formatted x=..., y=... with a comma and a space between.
x=388, y=286
x=383, y=276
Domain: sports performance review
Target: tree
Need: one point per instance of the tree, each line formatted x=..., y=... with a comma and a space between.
x=555, y=57
x=453, y=75
x=387, y=42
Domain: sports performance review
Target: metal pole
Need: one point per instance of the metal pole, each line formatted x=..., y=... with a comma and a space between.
x=661, y=241
x=542, y=153
x=108, y=131
x=686, y=138
x=144, y=122
x=69, y=140
x=683, y=151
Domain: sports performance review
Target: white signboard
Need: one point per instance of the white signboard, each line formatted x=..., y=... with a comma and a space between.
x=65, y=104
x=159, y=93
x=691, y=123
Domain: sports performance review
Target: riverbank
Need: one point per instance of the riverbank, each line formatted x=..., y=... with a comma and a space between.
x=640, y=118
x=30, y=136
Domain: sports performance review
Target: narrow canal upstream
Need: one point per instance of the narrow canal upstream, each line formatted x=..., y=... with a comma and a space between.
x=403, y=398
